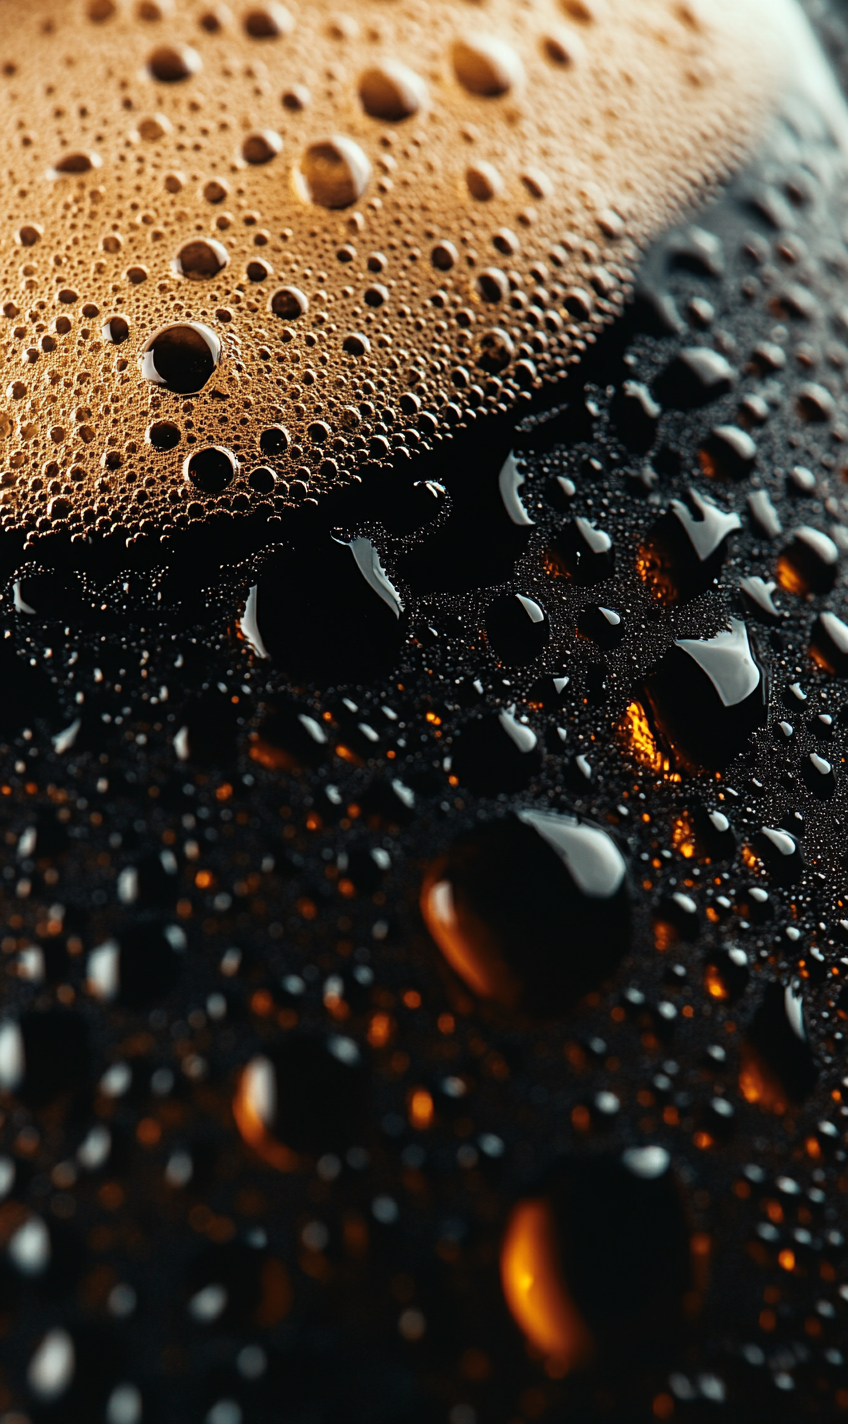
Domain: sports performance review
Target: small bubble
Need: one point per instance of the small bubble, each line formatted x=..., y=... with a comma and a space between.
x=334, y=172
x=295, y=98
x=376, y=296
x=181, y=358
x=211, y=469
x=267, y=22
x=562, y=46
x=356, y=344
x=154, y=127
x=215, y=20
x=174, y=182
x=289, y=303
x=29, y=234
x=172, y=63
x=261, y=147
x=136, y=275
x=483, y=181
x=216, y=190
x=153, y=10
x=200, y=259
x=100, y=10
x=391, y=91
x=258, y=271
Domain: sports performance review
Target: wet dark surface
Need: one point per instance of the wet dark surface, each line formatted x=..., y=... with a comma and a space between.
x=214, y=858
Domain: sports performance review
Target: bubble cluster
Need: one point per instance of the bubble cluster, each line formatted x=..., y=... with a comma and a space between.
x=181, y=163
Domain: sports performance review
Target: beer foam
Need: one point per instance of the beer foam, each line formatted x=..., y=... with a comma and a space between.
x=250, y=250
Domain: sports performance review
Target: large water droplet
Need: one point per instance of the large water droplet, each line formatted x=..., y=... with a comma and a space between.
x=486, y=65
x=201, y=259
x=530, y=911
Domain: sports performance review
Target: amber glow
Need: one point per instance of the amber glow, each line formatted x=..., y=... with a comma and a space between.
x=380, y=1030
x=420, y=1109
x=271, y=757
x=787, y=1260
x=758, y=1084
x=656, y=572
x=467, y=944
x=254, y=1131
x=683, y=837
x=536, y=1293
x=714, y=984
x=789, y=576
x=750, y=858
x=635, y=733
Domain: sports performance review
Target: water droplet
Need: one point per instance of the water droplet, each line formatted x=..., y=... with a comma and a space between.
x=211, y=469
x=334, y=172
x=200, y=259
x=829, y=643
x=517, y=629
x=170, y=64
x=695, y=377
x=261, y=146
x=620, y=1221
x=138, y=972
x=181, y=358
x=43, y=1056
x=603, y=626
x=706, y=697
x=582, y=553
x=530, y=911
x=635, y=415
x=810, y=563
x=815, y=402
x=778, y=1065
x=758, y=598
x=764, y=514
x=684, y=551
x=728, y=453
x=303, y=1094
x=486, y=65
x=391, y=91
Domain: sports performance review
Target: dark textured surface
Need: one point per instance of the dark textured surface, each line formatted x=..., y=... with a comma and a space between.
x=262, y=840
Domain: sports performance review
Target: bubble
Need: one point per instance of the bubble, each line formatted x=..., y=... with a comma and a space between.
x=356, y=344
x=135, y=275
x=391, y=91
x=181, y=358
x=170, y=64
x=163, y=435
x=115, y=329
x=274, y=441
x=215, y=20
x=483, y=181
x=492, y=285
x=444, y=256
x=267, y=22
x=258, y=271
x=152, y=10
x=486, y=65
x=29, y=234
x=100, y=10
x=261, y=146
x=200, y=259
x=73, y=163
x=295, y=98
x=210, y=469
x=334, y=173
x=262, y=480
x=588, y=12
x=154, y=127
x=216, y=190
x=302, y=1095
x=562, y=46
x=289, y=303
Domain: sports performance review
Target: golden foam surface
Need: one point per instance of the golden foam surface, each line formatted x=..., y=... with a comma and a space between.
x=384, y=220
